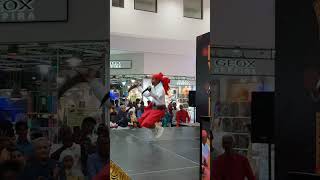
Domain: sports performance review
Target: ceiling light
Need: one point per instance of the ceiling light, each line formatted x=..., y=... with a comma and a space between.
x=74, y=61
x=44, y=69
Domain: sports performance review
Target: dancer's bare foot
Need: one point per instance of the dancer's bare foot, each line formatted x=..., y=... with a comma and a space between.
x=159, y=130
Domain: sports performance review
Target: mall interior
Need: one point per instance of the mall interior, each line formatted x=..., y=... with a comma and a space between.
x=70, y=107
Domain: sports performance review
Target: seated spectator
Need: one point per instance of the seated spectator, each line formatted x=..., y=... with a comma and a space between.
x=9, y=170
x=41, y=166
x=166, y=119
x=69, y=171
x=113, y=114
x=97, y=161
x=122, y=119
x=67, y=146
x=7, y=140
x=22, y=139
x=182, y=116
x=240, y=169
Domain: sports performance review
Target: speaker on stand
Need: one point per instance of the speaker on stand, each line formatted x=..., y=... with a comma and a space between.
x=262, y=121
x=192, y=103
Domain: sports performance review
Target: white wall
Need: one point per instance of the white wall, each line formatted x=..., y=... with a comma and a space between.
x=137, y=63
x=168, y=23
x=249, y=23
x=169, y=64
x=172, y=57
x=153, y=45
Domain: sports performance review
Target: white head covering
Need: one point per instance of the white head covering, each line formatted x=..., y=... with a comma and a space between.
x=66, y=153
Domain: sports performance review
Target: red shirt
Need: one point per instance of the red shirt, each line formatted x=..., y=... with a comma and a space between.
x=104, y=173
x=232, y=167
x=183, y=116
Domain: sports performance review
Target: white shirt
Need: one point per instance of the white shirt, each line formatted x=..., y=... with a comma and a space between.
x=205, y=150
x=157, y=94
x=75, y=149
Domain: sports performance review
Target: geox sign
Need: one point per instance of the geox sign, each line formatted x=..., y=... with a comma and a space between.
x=235, y=66
x=33, y=10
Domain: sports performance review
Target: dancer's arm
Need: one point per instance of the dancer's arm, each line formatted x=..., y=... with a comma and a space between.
x=145, y=94
x=157, y=94
x=98, y=89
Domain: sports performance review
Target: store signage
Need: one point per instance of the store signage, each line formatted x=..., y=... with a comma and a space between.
x=33, y=10
x=183, y=83
x=236, y=66
x=120, y=64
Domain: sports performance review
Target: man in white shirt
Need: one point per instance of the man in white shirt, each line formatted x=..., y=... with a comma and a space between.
x=156, y=110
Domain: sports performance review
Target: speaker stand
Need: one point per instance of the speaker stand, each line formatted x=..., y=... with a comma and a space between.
x=270, y=160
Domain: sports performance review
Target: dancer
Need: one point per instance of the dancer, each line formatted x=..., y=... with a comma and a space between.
x=156, y=109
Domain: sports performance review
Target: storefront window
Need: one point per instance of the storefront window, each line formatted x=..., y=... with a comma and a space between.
x=146, y=5
x=236, y=73
x=193, y=9
x=50, y=90
x=118, y=3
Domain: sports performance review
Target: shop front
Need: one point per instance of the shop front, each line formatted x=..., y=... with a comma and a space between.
x=235, y=74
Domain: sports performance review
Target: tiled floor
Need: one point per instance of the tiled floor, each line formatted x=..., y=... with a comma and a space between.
x=174, y=156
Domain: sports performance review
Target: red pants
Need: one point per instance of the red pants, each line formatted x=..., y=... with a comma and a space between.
x=150, y=117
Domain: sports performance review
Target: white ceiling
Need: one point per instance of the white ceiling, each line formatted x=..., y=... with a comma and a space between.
x=114, y=51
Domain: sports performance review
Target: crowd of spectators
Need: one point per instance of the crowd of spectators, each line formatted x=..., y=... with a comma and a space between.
x=82, y=153
x=126, y=114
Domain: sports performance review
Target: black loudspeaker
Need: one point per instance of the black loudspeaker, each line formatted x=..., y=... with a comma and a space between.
x=262, y=117
x=192, y=98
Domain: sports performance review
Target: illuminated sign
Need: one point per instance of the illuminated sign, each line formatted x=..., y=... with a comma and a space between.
x=120, y=64
x=33, y=10
x=238, y=66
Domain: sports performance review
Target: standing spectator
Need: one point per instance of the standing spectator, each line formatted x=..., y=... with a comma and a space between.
x=182, y=116
x=69, y=171
x=23, y=143
x=87, y=128
x=41, y=166
x=7, y=140
x=102, y=130
x=9, y=170
x=76, y=135
x=173, y=111
x=68, y=146
x=205, y=164
x=166, y=119
x=140, y=109
x=113, y=114
x=117, y=106
x=231, y=165
x=18, y=156
x=97, y=161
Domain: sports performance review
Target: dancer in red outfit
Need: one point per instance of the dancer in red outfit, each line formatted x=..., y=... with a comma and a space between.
x=156, y=109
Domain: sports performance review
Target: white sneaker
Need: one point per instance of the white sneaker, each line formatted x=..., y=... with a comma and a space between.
x=159, y=132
